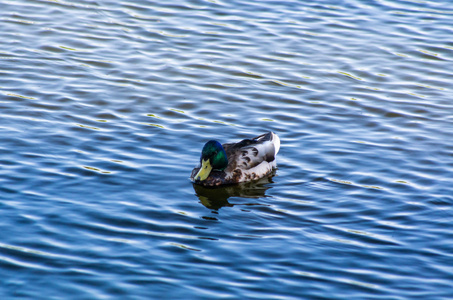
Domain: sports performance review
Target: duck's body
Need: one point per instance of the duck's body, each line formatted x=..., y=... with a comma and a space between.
x=230, y=163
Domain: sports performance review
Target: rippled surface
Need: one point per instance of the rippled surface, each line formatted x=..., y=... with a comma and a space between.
x=104, y=108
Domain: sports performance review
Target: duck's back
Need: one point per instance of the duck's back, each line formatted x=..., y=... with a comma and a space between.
x=253, y=158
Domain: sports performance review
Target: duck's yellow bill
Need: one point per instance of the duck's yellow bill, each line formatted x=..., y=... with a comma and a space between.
x=205, y=170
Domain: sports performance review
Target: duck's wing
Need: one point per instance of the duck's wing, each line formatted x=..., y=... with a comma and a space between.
x=249, y=153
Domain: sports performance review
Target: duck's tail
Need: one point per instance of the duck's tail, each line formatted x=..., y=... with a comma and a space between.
x=271, y=137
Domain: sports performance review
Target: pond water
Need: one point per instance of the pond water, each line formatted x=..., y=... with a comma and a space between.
x=104, y=109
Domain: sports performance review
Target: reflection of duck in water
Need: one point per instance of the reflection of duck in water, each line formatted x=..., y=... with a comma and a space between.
x=218, y=197
x=230, y=163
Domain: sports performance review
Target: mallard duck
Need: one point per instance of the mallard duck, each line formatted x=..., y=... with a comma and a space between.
x=230, y=163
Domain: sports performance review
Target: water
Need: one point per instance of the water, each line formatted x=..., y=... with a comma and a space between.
x=105, y=107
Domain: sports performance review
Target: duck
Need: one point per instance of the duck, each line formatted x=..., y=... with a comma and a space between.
x=231, y=163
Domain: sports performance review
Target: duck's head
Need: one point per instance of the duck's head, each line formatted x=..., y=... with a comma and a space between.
x=213, y=157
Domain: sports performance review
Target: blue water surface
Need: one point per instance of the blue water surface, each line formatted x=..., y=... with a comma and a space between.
x=104, y=109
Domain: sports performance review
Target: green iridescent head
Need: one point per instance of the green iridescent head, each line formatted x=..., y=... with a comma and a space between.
x=213, y=157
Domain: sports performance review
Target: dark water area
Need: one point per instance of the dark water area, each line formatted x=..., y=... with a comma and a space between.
x=104, y=109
